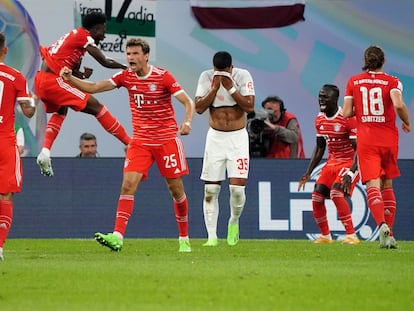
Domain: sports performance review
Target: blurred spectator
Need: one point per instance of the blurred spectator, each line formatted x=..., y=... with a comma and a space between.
x=88, y=146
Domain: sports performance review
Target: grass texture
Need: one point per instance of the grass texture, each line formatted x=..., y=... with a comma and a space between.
x=151, y=275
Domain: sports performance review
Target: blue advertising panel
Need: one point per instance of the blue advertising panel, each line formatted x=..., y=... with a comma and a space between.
x=82, y=197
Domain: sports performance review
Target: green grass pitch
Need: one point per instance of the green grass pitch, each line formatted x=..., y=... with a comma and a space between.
x=150, y=275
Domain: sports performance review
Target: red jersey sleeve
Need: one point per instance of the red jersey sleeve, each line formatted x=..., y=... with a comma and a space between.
x=119, y=78
x=14, y=87
x=67, y=50
x=351, y=125
x=317, y=124
x=171, y=83
x=349, y=89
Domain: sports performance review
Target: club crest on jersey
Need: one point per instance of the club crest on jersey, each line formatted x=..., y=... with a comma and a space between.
x=250, y=86
x=337, y=127
x=152, y=87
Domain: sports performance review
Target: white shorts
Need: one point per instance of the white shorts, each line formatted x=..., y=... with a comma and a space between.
x=226, y=150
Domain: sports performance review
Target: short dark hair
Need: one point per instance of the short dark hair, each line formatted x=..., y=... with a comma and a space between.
x=333, y=88
x=86, y=136
x=374, y=58
x=222, y=60
x=92, y=19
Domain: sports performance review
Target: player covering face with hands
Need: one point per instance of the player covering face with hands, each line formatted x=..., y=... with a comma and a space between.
x=228, y=94
x=154, y=136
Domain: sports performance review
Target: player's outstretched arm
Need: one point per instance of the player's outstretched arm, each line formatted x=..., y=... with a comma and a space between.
x=84, y=85
x=102, y=59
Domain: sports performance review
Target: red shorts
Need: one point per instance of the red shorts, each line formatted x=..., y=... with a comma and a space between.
x=10, y=168
x=170, y=158
x=377, y=162
x=56, y=93
x=332, y=174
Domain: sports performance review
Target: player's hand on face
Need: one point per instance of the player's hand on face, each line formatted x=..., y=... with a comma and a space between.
x=215, y=84
x=227, y=82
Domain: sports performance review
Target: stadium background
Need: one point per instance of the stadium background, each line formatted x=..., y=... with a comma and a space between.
x=292, y=62
x=81, y=199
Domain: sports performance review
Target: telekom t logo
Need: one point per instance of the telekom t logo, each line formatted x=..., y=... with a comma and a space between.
x=139, y=100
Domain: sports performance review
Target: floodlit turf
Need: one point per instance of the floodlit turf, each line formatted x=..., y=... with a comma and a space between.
x=150, y=274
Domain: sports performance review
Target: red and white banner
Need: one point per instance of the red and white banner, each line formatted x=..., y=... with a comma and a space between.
x=244, y=14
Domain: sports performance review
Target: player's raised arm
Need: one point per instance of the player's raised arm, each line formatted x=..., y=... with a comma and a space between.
x=246, y=102
x=102, y=59
x=85, y=85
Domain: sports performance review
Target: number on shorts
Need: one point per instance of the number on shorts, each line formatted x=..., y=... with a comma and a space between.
x=242, y=164
x=170, y=161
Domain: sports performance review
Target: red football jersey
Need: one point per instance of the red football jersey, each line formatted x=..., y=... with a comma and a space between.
x=373, y=107
x=338, y=132
x=13, y=86
x=68, y=50
x=153, y=118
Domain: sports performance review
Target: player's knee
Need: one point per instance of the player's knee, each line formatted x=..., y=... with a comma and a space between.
x=336, y=194
x=211, y=192
x=237, y=195
x=317, y=196
x=128, y=187
x=93, y=106
x=322, y=190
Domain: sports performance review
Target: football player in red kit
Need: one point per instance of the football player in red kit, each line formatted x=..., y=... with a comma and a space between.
x=154, y=136
x=374, y=97
x=13, y=88
x=57, y=95
x=339, y=175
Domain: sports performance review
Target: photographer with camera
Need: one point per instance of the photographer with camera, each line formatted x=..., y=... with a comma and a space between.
x=274, y=132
